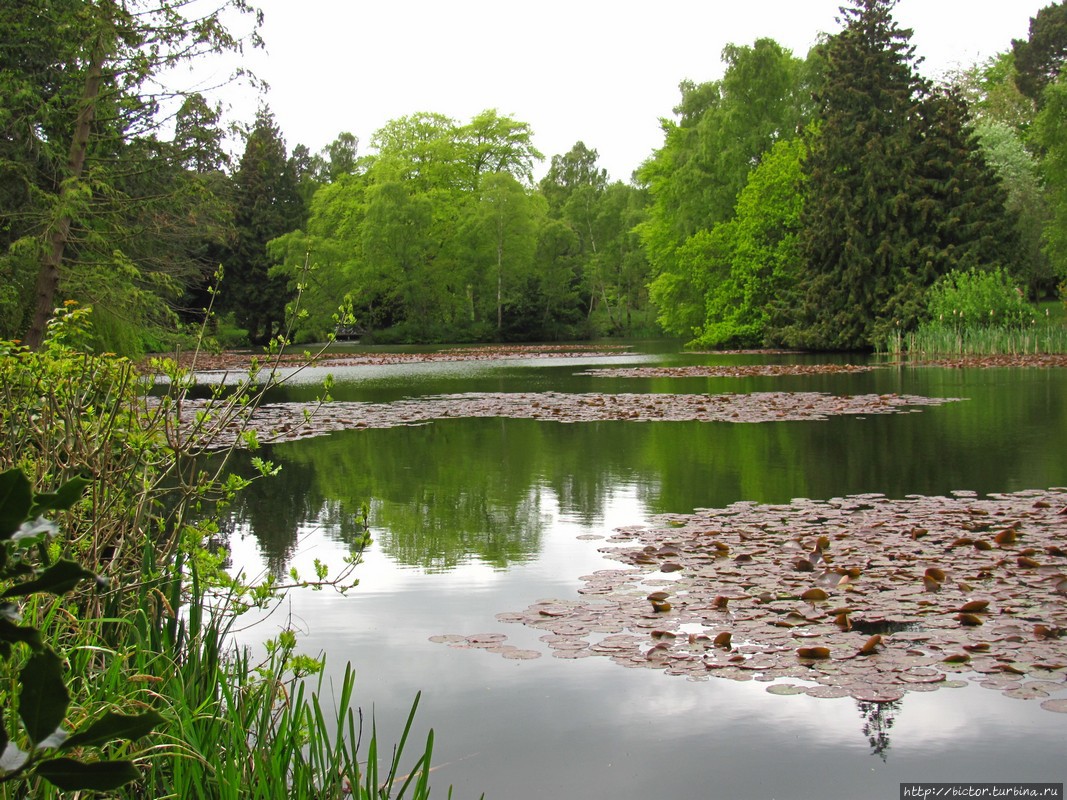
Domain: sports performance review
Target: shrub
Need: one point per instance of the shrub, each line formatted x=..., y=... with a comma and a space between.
x=976, y=298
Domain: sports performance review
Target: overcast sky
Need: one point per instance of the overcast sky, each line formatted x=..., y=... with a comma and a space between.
x=598, y=71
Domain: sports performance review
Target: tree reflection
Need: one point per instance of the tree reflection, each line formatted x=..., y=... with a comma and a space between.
x=878, y=719
x=458, y=490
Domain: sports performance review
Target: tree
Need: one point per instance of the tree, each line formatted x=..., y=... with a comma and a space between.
x=340, y=156
x=507, y=221
x=553, y=287
x=267, y=204
x=397, y=254
x=1040, y=57
x=992, y=94
x=722, y=131
x=76, y=80
x=420, y=148
x=490, y=144
x=567, y=173
x=1050, y=131
x=897, y=192
x=1020, y=175
x=756, y=252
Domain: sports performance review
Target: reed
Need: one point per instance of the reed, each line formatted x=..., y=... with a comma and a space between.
x=233, y=727
x=156, y=636
x=965, y=340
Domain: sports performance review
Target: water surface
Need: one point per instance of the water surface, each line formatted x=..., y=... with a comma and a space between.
x=475, y=517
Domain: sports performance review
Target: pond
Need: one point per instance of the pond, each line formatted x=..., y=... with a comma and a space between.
x=474, y=517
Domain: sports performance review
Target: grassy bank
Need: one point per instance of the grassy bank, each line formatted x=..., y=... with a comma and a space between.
x=123, y=597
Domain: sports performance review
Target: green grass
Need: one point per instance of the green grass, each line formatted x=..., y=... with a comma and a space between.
x=235, y=728
x=153, y=635
x=942, y=340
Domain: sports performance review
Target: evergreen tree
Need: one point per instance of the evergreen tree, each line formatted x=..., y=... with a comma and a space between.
x=897, y=193
x=85, y=87
x=267, y=204
x=1041, y=56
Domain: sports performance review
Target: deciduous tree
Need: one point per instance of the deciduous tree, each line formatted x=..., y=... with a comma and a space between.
x=79, y=82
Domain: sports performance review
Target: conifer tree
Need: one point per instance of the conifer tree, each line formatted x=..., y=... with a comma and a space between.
x=897, y=192
x=267, y=204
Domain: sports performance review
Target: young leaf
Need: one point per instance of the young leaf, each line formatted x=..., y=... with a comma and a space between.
x=115, y=726
x=99, y=776
x=43, y=700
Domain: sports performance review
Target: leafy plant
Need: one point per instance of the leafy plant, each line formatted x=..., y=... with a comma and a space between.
x=41, y=746
x=978, y=298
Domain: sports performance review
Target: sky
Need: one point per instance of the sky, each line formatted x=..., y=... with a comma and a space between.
x=597, y=71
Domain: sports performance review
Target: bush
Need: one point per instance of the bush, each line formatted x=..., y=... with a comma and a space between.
x=976, y=298
x=154, y=635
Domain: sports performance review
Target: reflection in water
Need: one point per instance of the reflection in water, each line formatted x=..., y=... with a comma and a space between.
x=464, y=500
x=456, y=490
x=878, y=719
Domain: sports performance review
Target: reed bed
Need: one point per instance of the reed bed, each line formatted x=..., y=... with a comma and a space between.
x=943, y=340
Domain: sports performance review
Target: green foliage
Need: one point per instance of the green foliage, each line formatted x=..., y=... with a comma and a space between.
x=755, y=252
x=267, y=204
x=235, y=727
x=1040, y=57
x=155, y=636
x=118, y=218
x=1041, y=336
x=1050, y=131
x=439, y=236
x=1026, y=201
x=724, y=128
x=915, y=200
x=609, y=267
x=992, y=94
x=977, y=312
x=980, y=299
x=38, y=746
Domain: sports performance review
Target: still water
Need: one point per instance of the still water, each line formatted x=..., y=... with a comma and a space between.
x=473, y=517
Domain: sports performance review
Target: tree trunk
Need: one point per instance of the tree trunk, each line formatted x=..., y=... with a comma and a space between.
x=499, y=287
x=52, y=259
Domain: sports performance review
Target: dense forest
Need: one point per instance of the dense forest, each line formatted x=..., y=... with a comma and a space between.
x=808, y=202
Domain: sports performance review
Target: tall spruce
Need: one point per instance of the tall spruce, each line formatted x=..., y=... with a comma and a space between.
x=897, y=192
x=267, y=204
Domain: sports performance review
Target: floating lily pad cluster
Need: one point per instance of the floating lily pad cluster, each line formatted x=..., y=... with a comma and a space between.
x=490, y=642
x=993, y=361
x=861, y=596
x=287, y=421
x=737, y=371
x=237, y=361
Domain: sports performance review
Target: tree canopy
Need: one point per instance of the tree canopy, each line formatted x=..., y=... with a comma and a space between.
x=807, y=201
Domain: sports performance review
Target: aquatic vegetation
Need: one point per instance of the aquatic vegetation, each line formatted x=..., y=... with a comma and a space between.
x=276, y=422
x=236, y=361
x=1036, y=360
x=860, y=596
x=738, y=371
